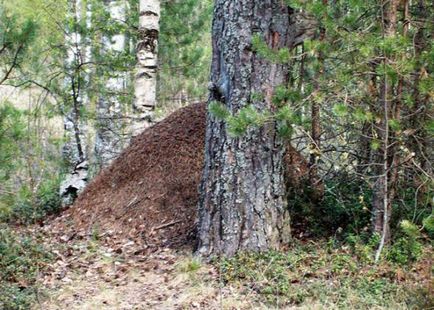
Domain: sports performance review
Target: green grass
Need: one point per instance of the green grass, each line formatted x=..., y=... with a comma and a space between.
x=332, y=277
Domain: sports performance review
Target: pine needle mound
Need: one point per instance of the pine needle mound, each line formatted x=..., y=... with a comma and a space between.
x=149, y=194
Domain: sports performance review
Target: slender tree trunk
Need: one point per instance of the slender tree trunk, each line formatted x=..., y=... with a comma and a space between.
x=147, y=64
x=381, y=199
x=395, y=154
x=242, y=195
x=111, y=134
x=367, y=130
x=315, y=180
x=421, y=141
x=74, y=151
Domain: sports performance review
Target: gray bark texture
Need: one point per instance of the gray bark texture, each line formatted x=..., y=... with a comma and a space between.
x=242, y=194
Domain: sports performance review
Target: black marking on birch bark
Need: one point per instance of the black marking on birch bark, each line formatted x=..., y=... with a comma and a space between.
x=148, y=13
x=144, y=74
x=148, y=39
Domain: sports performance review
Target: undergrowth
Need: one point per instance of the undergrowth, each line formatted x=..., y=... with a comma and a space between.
x=334, y=276
x=26, y=207
x=21, y=259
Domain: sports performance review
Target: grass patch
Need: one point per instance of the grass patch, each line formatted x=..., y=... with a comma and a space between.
x=331, y=276
x=189, y=265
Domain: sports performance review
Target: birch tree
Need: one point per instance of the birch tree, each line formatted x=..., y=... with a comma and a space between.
x=147, y=63
x=75, y=149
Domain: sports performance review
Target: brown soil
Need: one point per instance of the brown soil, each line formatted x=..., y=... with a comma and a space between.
x=149, y=194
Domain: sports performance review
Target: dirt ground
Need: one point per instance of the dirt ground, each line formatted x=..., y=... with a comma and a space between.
x=88, y=275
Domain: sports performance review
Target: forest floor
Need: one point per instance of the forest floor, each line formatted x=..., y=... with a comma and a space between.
x=88, y=275
x=126, y=244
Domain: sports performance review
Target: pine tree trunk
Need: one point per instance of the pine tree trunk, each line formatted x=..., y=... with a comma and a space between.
x=421, y=142
x=147, y=63
x=381, y=203
x=242, y=195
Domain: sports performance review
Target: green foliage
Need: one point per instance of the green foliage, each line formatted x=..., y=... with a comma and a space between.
x=428, y=225
x=245, y=118
x=280, y=56
x=12, y=129
x=21, y=259
x=375, y=144
x=282, y=96
x=16, y=36
x=218, y=110
x=340, y=109
x=249, y=117
x=30, y=200
x=238, y=124
x=184, y=52
x=407, y=248
x=344, y=208
x=27, y=208
x=362, y=116
x=190, y=265
x=363, y=247
x=314, y=273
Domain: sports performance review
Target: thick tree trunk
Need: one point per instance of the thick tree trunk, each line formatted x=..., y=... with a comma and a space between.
x=381, y=203
x=242, y=195
x=147, y=64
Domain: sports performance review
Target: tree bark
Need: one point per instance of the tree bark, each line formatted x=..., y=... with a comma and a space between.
x=315, y=179
x=242, y=194
x=421, y=141
x=75, y=149
x=381, y=203
x=147, y=64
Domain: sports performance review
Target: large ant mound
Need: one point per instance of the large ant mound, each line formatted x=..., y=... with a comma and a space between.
x=149, y=194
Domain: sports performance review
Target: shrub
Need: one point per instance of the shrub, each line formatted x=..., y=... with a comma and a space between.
x=25, y=209
x=428, y=225
x=21, y=258
x=344, y=207
x=407, y=248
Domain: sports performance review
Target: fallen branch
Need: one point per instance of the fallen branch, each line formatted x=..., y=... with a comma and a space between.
x=167, y=225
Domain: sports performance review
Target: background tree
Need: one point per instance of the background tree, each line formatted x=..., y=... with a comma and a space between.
x=15, y=39
x=147, y=62
x=75, y=150
x=363, y=50
x=111, y=132
x=183, y=76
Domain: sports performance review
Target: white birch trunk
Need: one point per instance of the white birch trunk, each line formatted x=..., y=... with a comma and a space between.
x=75, y=149
x=147, y=64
